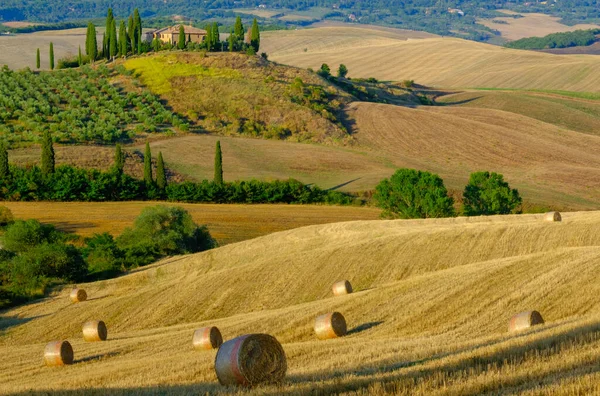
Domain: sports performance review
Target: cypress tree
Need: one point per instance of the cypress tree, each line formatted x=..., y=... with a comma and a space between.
x=47, y=154
x=122, y=39
x=114, y=44
x=215, y=36
x=4, y=170
x=137, y=22
x=255, y=36
x=148, y=165
x=79, y=58
x=109, y=23
x=37, y=59
x=51, y=56
x=104, y=52
x=231, y=41
x=119, y=159
x=218, y=164
x=209, y=39
x=238, y=30
x=161, y=178
x=131, y=33
x=181, y=38
x=91, y=43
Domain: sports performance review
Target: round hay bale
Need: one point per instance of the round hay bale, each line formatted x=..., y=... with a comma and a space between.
x=250, y=360
x=331, y=325
x=94, y=330
x=58, y=353
x=207, y=338
x=525, y=320
x=341, y=288
x=78, y=295
x=553, y=216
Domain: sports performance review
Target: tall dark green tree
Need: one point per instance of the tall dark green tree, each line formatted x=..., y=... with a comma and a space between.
x=104, y=50
x=51, y=56
x=161, y=176
x=131, y=33
x=47, y=154
x=209, y=40
x=122, y=39
x=148, y=165
x=91, y=43
x=79, y=57
x=218, y=164
x=4, y=169
x=37, y=59
x=342, y=71
x=137, y=22
x=119, y=159
x=181, y=38
x=114, y=44
x=238, y=28
x=231, y=41
x=109, y=24
x=255, y=36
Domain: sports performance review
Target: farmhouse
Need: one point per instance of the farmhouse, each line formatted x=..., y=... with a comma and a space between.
x=171, y=34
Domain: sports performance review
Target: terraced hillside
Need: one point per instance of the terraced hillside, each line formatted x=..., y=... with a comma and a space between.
x=429, y=315
x=440, y=62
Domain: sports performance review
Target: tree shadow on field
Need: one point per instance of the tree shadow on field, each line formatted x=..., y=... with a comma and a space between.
x=342, y=185
x=459, y=102
x=364, y=327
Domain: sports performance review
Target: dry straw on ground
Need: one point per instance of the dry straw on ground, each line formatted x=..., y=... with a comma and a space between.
x=525, y=320
x=330, y=325
x=553, y=216
x=95, y=330
x=207, y=338
x=341, y=288
x=58, y=353
x=251, y=360
x=78, y=295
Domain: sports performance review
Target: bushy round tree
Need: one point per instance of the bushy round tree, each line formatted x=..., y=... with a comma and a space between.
x=488, y=194
x=413, y=194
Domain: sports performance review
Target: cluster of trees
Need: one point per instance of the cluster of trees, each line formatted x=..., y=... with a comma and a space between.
x=35, y=256
x=77, y=106
x=413, y=194
x=129, y=39
x=557, y=40
x=67, y=183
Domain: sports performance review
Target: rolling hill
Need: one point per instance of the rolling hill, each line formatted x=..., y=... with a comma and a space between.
x=439, y=62
x=429, y=314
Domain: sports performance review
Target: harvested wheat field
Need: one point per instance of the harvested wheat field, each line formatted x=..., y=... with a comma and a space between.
x=545, y=162
x=226, y=223
x=530, y=25
x=440, y=62
x=428, y=316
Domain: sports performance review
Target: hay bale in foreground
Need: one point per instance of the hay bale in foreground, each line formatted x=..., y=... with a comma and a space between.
x=207, y=338
x=58, y=353
x=341, y=288
x=330, y=325
x=78, y=295
x=525, y=320
x=552, y=216
x=94, y=330
x=250, y=360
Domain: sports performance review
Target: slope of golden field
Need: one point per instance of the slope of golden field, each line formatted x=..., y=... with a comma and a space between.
x=226, y=223
x=440, y=62
x=546, y=163
x=429, y=315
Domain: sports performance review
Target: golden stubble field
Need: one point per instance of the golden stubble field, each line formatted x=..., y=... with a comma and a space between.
x=429, y=315
x=440, y=61
x=226, y=223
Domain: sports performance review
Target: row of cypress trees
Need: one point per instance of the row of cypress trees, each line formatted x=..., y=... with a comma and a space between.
x=128, y=40
x=38, y=61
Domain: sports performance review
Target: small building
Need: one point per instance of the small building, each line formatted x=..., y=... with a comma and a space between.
x=456, y=11
x=171, y=34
